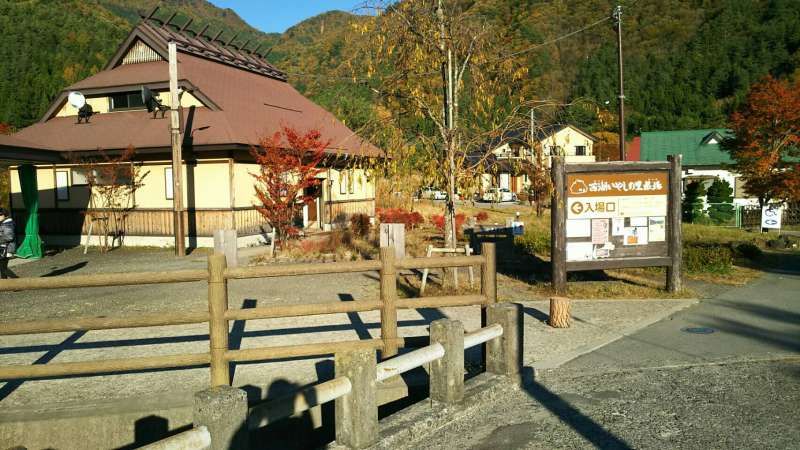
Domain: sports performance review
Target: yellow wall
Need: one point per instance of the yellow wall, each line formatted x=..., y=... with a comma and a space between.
x=244, y=191
x=363, y=186
x=211, y=187
x=567, y=139
x=101, y=104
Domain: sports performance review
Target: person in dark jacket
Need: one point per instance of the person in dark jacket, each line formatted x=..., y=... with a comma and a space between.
x=8, y=243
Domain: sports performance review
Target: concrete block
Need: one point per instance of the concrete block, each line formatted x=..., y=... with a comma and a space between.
x=447, y=372
x=356, y=413
x=504, y=354
x=394, y=235
x=226, y=242
x=223, y=410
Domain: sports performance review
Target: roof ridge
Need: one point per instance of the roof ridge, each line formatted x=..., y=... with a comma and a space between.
x=210, y=49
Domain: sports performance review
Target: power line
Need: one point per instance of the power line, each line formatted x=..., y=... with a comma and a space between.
x=435, y=72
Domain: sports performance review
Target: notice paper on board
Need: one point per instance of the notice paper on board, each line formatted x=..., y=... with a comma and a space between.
x=579, y=251
x=657, y=229
x=617, y=226
x=635, y=236
x=599, y=231
x=579, y=228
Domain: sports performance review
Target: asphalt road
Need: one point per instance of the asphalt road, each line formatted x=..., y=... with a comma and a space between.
x=736, y=387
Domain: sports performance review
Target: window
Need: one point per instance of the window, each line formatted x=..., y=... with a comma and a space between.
x=80, y=177
x=168, y=182
x=350, y=182
x=580, y=150
x=62, y=185
x=343, y=182
x=125, y=101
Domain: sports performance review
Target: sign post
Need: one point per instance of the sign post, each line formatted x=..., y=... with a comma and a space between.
x=616, y=215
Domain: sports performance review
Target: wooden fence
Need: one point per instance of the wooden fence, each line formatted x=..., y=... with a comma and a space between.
x=219, y=315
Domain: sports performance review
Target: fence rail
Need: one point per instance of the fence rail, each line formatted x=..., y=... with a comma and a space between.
x=219, y=315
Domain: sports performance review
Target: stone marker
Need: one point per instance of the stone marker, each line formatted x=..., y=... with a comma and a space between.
x=226, y=242
x=447, y=372
x=356, y=413
x=223, y=410
x=504, y=354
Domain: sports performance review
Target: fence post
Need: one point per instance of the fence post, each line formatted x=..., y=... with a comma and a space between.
x=674, y=240
x=504, y=353
x=217, y=325
x=223, y=410
x=488, y=285
x=388, y=298
x=447, y=372
x=356, y=414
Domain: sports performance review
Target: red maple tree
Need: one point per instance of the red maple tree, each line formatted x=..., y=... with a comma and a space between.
x=766, y=142
x=288, y=165
x=5, y=128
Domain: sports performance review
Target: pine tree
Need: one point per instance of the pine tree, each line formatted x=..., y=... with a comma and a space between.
x=693, y=202
x=720, y=199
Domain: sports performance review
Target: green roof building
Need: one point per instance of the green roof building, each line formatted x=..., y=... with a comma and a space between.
x=700, y=148
x=704, y=159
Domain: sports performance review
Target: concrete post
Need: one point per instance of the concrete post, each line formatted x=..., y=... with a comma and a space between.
x=226, y=242
x=447, y=372
x=223, y=410
x=356, y=413
x=394, y=235
x=504, y=354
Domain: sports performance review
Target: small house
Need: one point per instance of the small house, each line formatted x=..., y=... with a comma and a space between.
x=230, y=98
x=510, y=155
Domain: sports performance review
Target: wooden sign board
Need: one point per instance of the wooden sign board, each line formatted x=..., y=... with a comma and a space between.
x=615, y=215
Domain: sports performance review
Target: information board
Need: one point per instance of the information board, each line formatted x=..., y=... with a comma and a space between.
x=609, y=212
x=615, y=215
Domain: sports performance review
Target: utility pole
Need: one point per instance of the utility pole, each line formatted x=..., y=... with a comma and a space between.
x=177, y=158
x=618, y=18
x=447, y=78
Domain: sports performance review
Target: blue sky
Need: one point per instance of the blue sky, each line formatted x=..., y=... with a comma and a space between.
x=278, y=15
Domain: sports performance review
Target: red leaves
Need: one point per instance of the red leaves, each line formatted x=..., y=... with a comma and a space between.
x=398, y=215
x=438, y=221
x=482, y=216
x=5, y=128
x=767, y=137
x=289, y=163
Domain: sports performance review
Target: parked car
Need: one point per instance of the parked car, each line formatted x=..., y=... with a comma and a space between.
x=432, y=194
x=499, y=195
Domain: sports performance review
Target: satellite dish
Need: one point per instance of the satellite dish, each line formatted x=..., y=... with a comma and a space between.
x=152, y=102
x=76, y=99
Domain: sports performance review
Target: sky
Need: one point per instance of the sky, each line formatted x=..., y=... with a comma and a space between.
x=275, y=16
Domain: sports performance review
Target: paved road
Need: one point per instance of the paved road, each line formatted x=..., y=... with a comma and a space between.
x=737, y=387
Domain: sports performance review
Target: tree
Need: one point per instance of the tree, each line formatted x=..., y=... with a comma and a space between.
x=5, y=182
x=288, y=165
x=435, y=67
x=540, y=187
x=112, y=182
x=720, y=201
x=766, y=140
x=693, y=202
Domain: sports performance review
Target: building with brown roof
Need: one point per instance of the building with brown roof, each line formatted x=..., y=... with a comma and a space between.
x=230, y=99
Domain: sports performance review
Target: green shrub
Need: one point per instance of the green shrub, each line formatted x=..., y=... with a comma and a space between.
x=534, y=242
x=747, y=250
x=707, y=258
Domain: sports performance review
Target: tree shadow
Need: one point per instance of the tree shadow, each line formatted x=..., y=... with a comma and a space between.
x=68, y=269
x=571, y=416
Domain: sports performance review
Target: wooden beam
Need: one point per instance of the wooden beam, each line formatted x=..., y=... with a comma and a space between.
x=619, y=263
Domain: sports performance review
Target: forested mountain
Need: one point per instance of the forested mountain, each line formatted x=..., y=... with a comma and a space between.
x=687, y=62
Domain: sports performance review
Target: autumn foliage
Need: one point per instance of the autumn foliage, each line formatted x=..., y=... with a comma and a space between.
x=399, y=215
x=766, y=142
x=288, y=165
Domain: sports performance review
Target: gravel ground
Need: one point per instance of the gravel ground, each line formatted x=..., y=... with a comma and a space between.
x=741, y=405
x=596, y=323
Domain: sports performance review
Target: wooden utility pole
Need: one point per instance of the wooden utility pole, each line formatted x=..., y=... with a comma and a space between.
x=177, y=158
x=558, y=232
x=618, y=18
